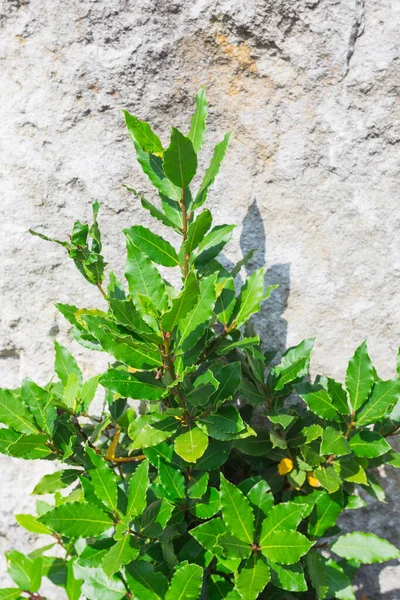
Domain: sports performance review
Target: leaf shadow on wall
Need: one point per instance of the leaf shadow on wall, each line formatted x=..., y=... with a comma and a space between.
x=270, y=324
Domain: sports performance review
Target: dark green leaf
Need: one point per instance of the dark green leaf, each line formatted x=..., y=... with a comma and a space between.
x=253, y=578
x=186, y=583
x=38, y=401
x=103, y=479
x=207, y=533
x=141, y=132
x=140, y=386
x=144, y=582
x=138, y=484
x=182, y=304
x=384, y=397
x=294, y=364
x=315, y=566
x=156, y=517
x=172, y=480
x=143, y=277
x=215, y=456
x=334, y=443
x=197, y=230
x=369, y=444
x=157, y=249
x=193, y=325
x=318, y=400
x=65, y=364
x=213, y=243
x=122, y=553
x=326, y=511
x=151, y=429
x=338, y=396
x=14, y=414
x=288, y=577
x=30, y=447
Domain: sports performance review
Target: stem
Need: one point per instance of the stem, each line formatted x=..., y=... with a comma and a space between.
x=171, y=369
x=350, y=425
x=126, y=459
x=101, y=290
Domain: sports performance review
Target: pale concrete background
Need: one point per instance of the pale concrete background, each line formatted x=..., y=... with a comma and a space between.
x=309, y=89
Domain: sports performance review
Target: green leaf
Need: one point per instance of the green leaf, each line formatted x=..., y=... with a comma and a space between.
x=339, y=585
x=122, y=553
x=124, y=312
x=197, y=230
x=227, y=346
x=207, y=533
x=326, y=511
x=289, y=577
x=14, y=414
x=253, y=578
x=143, y=277
x=30, y=447
x=236, y=511
x=286, y=515
x=318, y=401
x=144, y=583
x=65, y=364
x=124, y=347
x=251, y=393
x=193, y=325
x=232, y=547
x=226, y=420
x=197, y=485
x=369, y=444
x=213, y=243
x=139, y=386
x=77, y=520
x=180, y=160
x=334, y=443
x=141, y=132
x=284, y=546
x=226, y=301
x=208, y=506
x=56, y=481
x=152, y=166
x=229, y=381
x=138, y=484
x=198, y=121
x=382, y=400
x=315, y=566
x=359, y=377
x=191, y=445
x=328, y=478
x=182, y=304
x=103, y=479
x=30, y=523
x=153, y=210
x=212, y=171
x=172, y=481
x=338, y=396
x=96, y=585
x=186, y=583
x=10, y=594
x=26, y=572
x=157, y=249
x=251, y=296
x=156, y=517
x=38, y=401
x=151, y=429
x=366, y=548
x=215, y=456
x=73, y=586
x=294, y=364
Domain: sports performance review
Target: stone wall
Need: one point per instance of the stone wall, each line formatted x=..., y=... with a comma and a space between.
x=309, y=89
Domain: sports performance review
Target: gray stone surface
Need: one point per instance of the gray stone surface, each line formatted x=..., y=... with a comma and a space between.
x=309, y=89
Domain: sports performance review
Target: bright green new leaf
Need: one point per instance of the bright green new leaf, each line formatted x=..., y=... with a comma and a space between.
x=157, y=249
x=122, y=553
x=73, y=586
x=77, y=520
x=30, y=523
x=96, y=585
x=14, y=413
x=209, y=505
x=198, y=121
x=180, y=160
x=232, y=547
x=65, y=364
x=284, y=546
x=182, y=304
x=366, y=548
x=328, y=478
x=191, y=445
x=56, y=481
x=338, y=396
x=197, y=485
x=140, y=386
x=369, y=444
x=236, y=511
x=334, y=443
x=359, y=377
x=186, y=583
x=251, y=296
x=207, y=533
x=212, y=171
x=294, y=364
x=138, y=484
x=253, y=578
x=25, y=571
x=142, y=133
x=286, y=515
x=384, y=397
x=10, y=594
x=30, y=447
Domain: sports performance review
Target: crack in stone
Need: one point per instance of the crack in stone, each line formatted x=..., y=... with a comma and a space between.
x=356, y=31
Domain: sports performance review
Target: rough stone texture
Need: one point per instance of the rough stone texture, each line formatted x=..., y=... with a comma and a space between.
x=309, y=89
